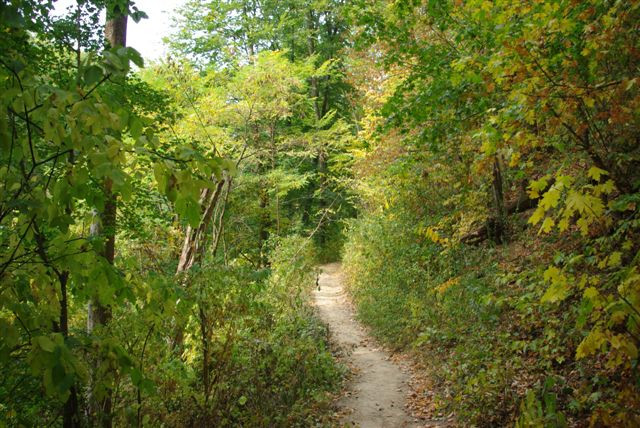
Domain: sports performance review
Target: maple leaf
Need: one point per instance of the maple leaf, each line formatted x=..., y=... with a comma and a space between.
x=550, y=199
x=537, y=216
x=590, y=344
x=547, y=225
x=595, y=173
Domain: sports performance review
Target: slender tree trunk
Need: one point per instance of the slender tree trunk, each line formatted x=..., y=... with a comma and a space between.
x=497, y=231
x=70, y=414
x=99, y=314
x=311, y=47
x=220, y=226
x=206, y=354
x=192, y=248
x=263, y=231
x=213, y=204
x=250, y=47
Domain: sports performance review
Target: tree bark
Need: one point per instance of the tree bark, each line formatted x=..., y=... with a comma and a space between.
x=497, y=229
x=194, y=240
x=193, y=246
x=70, y=413
x=206, y=354
x=98, y=314
x=220, y=216
x=520, y=204
x=263, y=231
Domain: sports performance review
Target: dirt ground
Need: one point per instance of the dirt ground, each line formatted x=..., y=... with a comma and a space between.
x=377, y=393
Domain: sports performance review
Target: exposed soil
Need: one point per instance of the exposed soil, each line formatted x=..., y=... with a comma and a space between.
x=377, y=392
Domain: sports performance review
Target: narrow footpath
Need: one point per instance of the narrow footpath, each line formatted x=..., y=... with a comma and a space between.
x=376, y=394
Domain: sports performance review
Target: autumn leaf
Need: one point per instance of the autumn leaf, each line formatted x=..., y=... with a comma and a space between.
x=595, y=173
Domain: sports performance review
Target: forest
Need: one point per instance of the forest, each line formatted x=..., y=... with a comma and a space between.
x=471, y=167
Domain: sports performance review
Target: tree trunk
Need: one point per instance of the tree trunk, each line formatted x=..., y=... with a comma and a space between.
x=220, y=216
x=194, y=239
x=70, y=413
x=116, y=35
x=497, y=228
x=206, y=354
x=522, y=203
x=193, y=246
x=263, y=232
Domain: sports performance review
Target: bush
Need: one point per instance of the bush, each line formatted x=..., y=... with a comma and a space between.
x=442, y=303
x=267, y=360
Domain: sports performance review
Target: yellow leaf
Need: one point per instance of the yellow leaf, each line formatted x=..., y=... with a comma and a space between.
x=623, y=344
x=536, y=186
x=489, y=148
x=551, y=274
x=564, y=181
x=433, y=234
x=537, y=216
x=563, y=224
x=602, y=263
x=557, y=292
x=559, y=289
x=591, y=293
x=595, y=173
x=615, y=259
x=515, y=159
x=583, y=282
x=594, y=340
x=550, y=199
x=608, y=187
x=547, y=225
x=583, y=225
x=530, y=117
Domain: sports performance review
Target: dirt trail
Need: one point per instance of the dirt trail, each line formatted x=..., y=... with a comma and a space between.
x=376, y=394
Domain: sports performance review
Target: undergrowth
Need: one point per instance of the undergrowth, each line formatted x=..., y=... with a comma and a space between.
x=271, y=365
x=472, y=316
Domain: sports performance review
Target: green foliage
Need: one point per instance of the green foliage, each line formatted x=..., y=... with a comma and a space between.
x=268, y=359
x=441, y=304
x=80, y=132
x=489, y=149
x=224, y=33
x=540, y=413
x=486, y=110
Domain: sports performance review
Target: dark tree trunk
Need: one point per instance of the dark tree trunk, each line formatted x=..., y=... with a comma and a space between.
x=70, y=413
x=496, y=229
x=520, y=204
x=206, y=354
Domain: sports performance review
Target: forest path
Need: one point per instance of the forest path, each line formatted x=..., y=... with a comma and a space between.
x=376, y=394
